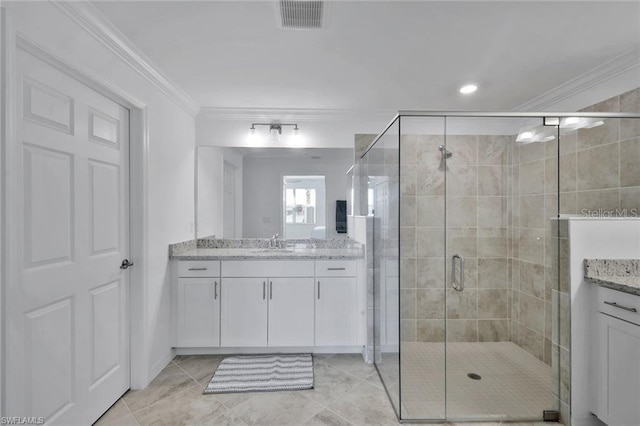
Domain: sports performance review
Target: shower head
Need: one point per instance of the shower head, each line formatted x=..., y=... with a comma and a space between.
x=445, y=152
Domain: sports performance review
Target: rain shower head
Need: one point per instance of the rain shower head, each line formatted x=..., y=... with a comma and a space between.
x=445, y=152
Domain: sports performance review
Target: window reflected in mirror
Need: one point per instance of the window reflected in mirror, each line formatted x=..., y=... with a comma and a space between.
x=304, y=207
x=300, y=205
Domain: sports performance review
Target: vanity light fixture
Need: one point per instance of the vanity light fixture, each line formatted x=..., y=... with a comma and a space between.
x=467, y=89
x=275, y=129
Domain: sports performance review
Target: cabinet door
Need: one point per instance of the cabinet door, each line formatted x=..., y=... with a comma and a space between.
x=336, y=312
x=619, y=372
x=244, y=312
x=291, y=312
x=198, y=312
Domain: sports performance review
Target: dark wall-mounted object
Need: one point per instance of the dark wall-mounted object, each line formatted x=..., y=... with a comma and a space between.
x=341, y=216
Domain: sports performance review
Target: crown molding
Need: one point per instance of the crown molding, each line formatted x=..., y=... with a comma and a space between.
x=93, y=22
x=620, y=64
x=302, y=114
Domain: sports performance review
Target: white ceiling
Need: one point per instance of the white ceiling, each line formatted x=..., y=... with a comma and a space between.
x=377, y=55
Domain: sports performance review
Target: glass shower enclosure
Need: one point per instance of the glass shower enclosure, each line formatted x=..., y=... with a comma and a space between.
x=468, y=298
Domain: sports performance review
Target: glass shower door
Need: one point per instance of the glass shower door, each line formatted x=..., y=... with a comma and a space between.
x=422, y=269
x=501, y=195
x=471, y=294
x=383, y=198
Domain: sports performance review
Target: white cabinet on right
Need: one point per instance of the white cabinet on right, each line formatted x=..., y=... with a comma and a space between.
x=618, y=358
x=336, y=322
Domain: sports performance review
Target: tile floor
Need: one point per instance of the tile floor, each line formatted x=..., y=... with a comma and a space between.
x=347, y=392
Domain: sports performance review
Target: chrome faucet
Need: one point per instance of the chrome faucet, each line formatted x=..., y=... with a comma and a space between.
x=275, y=242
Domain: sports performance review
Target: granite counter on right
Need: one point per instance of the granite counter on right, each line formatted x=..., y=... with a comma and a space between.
x=617, y=274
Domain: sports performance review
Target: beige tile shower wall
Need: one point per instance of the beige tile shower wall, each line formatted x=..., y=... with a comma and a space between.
x=600, y=166
x=477, y=206
x=533, y=236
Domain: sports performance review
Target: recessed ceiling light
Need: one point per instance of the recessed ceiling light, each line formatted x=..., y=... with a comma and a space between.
x=468, y=88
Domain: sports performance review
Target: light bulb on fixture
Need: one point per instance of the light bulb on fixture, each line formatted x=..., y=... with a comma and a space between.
x=467, y=89
x=275, y=130
x=252, y=134
x=525, y=136
x=536, y=134
x=296, y=131
x=574, y=123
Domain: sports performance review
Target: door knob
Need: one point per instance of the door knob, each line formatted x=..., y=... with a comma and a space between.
x=125, y=264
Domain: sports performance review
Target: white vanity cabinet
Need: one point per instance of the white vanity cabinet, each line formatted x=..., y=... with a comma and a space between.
x=198, y=304
x=290, y=312
x=618, y=358
x=336, y=316
x=267, y=303
x=254, y=305
x=244, y=312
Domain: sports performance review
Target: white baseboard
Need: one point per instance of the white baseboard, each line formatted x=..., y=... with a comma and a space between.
x=270, y=350
x=586, y=420
x=161, y=364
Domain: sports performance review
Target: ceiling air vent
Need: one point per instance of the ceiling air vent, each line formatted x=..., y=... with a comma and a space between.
x=301, y=14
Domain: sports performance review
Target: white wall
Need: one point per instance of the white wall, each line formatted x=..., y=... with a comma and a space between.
x=3, y=128
x=210, y=162
x=170, y=174
x=263, y=191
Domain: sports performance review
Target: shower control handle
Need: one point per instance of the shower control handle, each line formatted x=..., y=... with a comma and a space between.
x=457, y=285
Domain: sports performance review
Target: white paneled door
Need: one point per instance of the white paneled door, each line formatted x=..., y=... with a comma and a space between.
x=68, y=317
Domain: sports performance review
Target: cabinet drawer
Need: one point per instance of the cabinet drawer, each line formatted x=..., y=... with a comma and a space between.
x=335, y=268
x=619, y=304
x=199, y=268
x=267, y=268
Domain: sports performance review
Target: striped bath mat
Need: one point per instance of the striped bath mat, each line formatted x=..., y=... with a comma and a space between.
x=259, y=373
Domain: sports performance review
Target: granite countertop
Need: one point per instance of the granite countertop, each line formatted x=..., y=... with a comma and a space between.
x=622, y=275
x=259, y=249
x=269, y=254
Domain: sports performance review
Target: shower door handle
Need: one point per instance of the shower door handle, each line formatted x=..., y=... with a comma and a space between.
x=457, y=285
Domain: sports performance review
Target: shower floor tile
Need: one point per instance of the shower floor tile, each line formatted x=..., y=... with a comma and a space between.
x=514, y=384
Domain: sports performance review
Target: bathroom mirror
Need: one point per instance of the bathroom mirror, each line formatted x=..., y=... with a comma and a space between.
x=242, y=192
